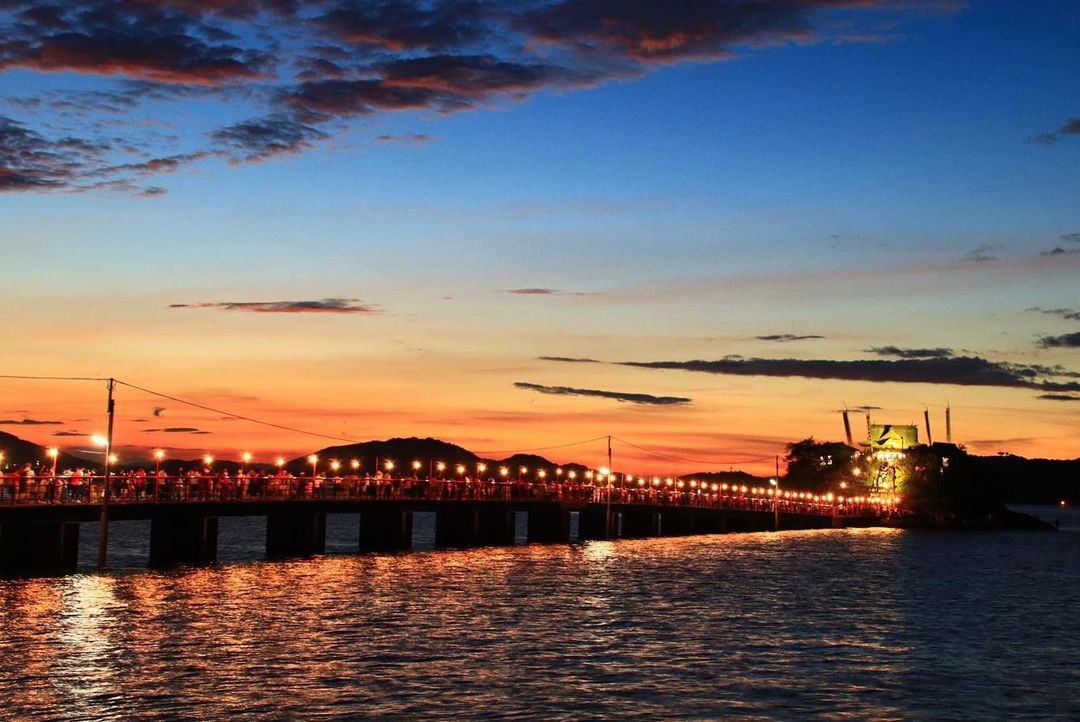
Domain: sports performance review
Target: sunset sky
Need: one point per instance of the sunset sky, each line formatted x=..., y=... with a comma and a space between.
x=702, y=227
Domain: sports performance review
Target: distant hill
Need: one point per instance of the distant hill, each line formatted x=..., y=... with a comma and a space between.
x=19, y=452
x=1014, y=478
x=1031, y=481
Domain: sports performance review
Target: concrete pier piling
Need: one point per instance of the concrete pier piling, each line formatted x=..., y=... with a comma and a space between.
x=183, y=538
x=548, y=525
x=38, y=548
x=295, y=533
x=384, y=530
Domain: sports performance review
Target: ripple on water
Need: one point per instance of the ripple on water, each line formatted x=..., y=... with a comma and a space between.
x=851, y=624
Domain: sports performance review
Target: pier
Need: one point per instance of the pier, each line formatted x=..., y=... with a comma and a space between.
x=40, y=522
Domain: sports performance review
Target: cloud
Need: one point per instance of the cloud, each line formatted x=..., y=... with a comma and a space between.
x=1059, y=397
x=326, y=305
x=135, y=40
x=262, y=138
x=1066, y=313
x=785, y=337
x=1070, y=127
x=176, y=430
x=567, y=359
x=959, y=371
x=1059, y=251
x=1068, y=340
x=911, y=353
x=70, y=433
x=304, y=72
x=407, y=138
x=980, y=253
x=644, y=399
x=401, y=24
x=28, y=422
x=547, y=292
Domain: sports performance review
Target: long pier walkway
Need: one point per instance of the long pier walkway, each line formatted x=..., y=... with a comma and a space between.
x=39, y=518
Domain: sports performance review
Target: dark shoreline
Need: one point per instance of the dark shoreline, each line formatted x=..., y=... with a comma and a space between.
x=1002, y=519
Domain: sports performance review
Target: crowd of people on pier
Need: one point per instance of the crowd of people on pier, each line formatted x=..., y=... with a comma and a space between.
x=139, y=485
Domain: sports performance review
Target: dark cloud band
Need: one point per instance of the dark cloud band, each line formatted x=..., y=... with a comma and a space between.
x=643, y=399
x=309, y=68
x=327, y=305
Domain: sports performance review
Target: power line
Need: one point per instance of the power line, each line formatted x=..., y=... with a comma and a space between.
x=52, y=378
x=542, y=448
x=692, y=461
x=237, y=416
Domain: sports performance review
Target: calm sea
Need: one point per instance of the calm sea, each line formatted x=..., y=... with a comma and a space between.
x=852, y=624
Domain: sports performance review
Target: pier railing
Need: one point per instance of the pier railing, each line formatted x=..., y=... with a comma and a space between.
x=137, y=489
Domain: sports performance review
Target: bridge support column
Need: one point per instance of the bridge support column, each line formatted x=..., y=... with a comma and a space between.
x=456, y=527
x=706, y=523
x=385, y=530
x=183, y=538
x=495, y=527
x=676, y=523
x=639, y=523
x=548, y=526
x=298, y=533
x=591, y=524
x=38, y=548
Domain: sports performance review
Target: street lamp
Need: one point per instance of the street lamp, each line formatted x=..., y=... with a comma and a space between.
x=775, y=483
x=54, y=454
x=159, y=454
x=416, y=468
x=440, y=467
x=355, y=464
x=389, y=465
x=207, y=460
x=604, y=471
x=480, y=469
x=314, y=461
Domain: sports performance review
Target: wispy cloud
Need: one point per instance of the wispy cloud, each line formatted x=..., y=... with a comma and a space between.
x=28, y=422
x=1068, y=340
x=1069, y=314
x=1059, y=397
x=1069, y=127
x=980, y=253
x=959, y=371
x=406, y=138
x=786, y=337
x=568, y=359
x=910, y=353
x=547, y=292
x=176, y=430
x=633, y=398
x=310, y=69
x=326, y=305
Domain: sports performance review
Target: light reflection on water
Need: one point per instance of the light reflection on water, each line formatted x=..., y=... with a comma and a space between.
x=852, y=624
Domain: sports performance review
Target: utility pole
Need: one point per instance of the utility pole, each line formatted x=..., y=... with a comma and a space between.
x=776, y=495
x=103, y=521
x=607, y=515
